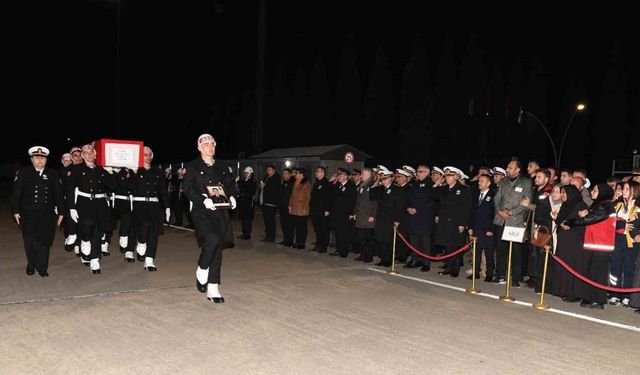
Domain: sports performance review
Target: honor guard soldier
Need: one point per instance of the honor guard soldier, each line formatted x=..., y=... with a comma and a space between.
x=246, y=192
x=70, y=229
x=121, y=210
x=88, y=205
x=453, y=218
x=150, y=195
x=203, y=180
x=36, y=203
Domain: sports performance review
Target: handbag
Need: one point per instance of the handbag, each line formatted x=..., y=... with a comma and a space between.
x=541, y=236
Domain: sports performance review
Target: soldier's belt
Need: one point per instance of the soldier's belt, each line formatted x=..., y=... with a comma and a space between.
x=90, y=196
x=123, y=197
x=145, y=199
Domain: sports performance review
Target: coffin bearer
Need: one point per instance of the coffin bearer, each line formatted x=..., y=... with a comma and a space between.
x=37, y=204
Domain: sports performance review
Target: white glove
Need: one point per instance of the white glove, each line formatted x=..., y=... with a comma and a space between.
x=74, y=214
x=108, y=169
x=167, y=214
x=208, y=203
x=232, y=200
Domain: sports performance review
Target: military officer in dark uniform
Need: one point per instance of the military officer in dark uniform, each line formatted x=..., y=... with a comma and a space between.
x=453, y=218
x=212, y=225
x=419, y=217
x=269, y=190
x=319, y=208
x=150, y=196
x=121, y=211
x=389, y=210
x=286, y=221
x=344, y=201
x=246, y=192
x=88, y=205
x=36, y=203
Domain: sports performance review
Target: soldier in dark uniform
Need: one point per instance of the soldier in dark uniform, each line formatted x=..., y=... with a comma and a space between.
x=356, y=246
x=390, y=205
x=419, y=218
x=88, y=205
x=269, y=190
x=71, y=227
x=246, y=193
x=36, y=203
x=344, y=201
x=211, y=224
x=286, y=221
x=69, y=241
x=150, y=195
x=453, y=218
x=403, y=181
x=121, y=211
x=320, y=206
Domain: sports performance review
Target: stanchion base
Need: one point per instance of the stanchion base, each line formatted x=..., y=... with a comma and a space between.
x=473, y=290
x=392, y=272
x=507, y=298
x=541, y=306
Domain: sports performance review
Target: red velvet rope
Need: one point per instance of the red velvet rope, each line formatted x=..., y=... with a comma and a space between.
x=591, y=282
x=430, y=257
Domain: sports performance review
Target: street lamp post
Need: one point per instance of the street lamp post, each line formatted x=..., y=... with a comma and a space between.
x=557, y=155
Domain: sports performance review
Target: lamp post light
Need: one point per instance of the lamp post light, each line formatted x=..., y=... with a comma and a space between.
x=557, y=155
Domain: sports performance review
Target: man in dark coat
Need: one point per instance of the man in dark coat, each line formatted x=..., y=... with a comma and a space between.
x=390, y=207
x=269, y=191
x=211, y=223
x=36, y=203
x=341, y=211
x=453, y=218
x=481, y=224
x=364, y=214
x=320, y=206
x=246, y=193
x=419, y=219
x=286, y=221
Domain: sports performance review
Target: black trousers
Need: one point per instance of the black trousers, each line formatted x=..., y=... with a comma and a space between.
x=453, y=264
x=596, y=266
x=286, y=222
x=365, y=238
x=209, y=232
x=343, y=235
x=421, y=242
x=148, y=221
x=37, y=254
x=245, y=213
x=487, y=245
x=300, y=228
x=356, y=246
x=535, y=265
x=126, y=225
x=385, y=252
x=269, y=216
x=321, y=227
x=503, y=255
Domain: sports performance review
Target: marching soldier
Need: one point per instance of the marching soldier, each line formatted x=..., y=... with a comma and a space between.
x=87, y=189
x=212, y=225
x=36, y=202
x=70, y=230
x=344, y=200
x=453, y=218
x=149, y=190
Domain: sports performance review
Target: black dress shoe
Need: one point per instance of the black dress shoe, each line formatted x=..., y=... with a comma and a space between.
x=30, y=269
x=637, y=310
x=68, y=248
x=122, y=250
x=444, y=273
x=367, y=260
x=151, y=268
x=321, y=251
x=411, y=264
x=286, y=244
x=344, y=255
x=454, y=274
x=515, y=284
x=299, y=247
x=570, y=299
x=334, y=254
x=140, y=257
x=488, y=278
x=201, y=287
x=96, y=272
x=44, y=274
x=216, y=299
x=470, y=277
x=129, y=260
x=425, y=268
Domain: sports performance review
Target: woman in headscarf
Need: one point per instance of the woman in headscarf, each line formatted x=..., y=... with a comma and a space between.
x=569, y=247
x=593, y=261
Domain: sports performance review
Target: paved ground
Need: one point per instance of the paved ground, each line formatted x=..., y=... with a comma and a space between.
x=287, y=312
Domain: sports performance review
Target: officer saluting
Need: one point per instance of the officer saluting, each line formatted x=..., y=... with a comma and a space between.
x=36, y=201
x=201, y=177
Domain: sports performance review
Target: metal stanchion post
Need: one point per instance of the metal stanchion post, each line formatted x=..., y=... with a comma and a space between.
x=542, y=305
x=473, y=289
x=507, y=297
x=392, y=270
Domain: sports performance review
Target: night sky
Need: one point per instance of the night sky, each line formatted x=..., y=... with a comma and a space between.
x=184, y=62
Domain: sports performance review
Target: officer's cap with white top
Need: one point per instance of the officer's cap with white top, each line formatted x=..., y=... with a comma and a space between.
x=38, y=151
x=453, y=170
x=66, y=156
x=437, y=170
x=382, y=168
x=498, y=170
x=248, y=170
x=74, y=149
x=409, y=169
x=402, y=172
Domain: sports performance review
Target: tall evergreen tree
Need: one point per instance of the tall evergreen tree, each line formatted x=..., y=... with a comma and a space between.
x=515, y=100
x=299, y=113
x=379, y=111
x=496, y=113
x=348, y=104
x=445, y=111
x=321, y=104
x=537, y=143
x=473, y=92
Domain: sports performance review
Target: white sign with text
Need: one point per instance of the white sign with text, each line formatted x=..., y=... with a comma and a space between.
x=513, y=234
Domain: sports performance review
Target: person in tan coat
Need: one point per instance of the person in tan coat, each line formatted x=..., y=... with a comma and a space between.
x=299, y=207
